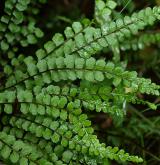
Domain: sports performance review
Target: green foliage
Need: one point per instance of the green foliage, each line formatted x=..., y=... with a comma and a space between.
x=104, y=10
x=16, y=27
x=46, y=96
x=141, y=41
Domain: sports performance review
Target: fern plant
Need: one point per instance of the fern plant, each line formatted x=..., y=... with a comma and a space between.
x=46, y=96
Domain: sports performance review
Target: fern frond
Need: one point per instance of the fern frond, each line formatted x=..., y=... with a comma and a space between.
x=72, y=68
x=91, y=40
x=19, y=152
x=91, y=145
x=11, y=28
x=87, y=41
x=141, y=41
x=103, y=10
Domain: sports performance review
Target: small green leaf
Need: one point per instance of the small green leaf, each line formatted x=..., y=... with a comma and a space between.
x=106, y=12
x=60, y=62
x=14, y=28
x=26, y=125
x=33, y=109
x=23, y=161
x=89, y=76
x=40, y=53
x=64, y=142
x=8, y=108
x=31, y=39
x=100, y=4
x=49, y=46
x=77, y=27
x=42, y=65
x=21, y=7
x=24, y=2
x=63, y=115
x=69, y=32
x=116, y=81
x=4, y=45
x=47, y=134
x=58, y=39
x=55, y=112
x=55, y=138
x=90, y=63
x=73, y=92
x=41, y=109
x=111, y=4
x=14, y=157
x=18, y=15
x=69, y=61
x=54, y=125
x=79, y=63
x=98, y=76
x=152, y=105
x=80, y=40
x=67, y=156
x=39, y=33
x=62, y=102
x=100, y=64
x=5, y=152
